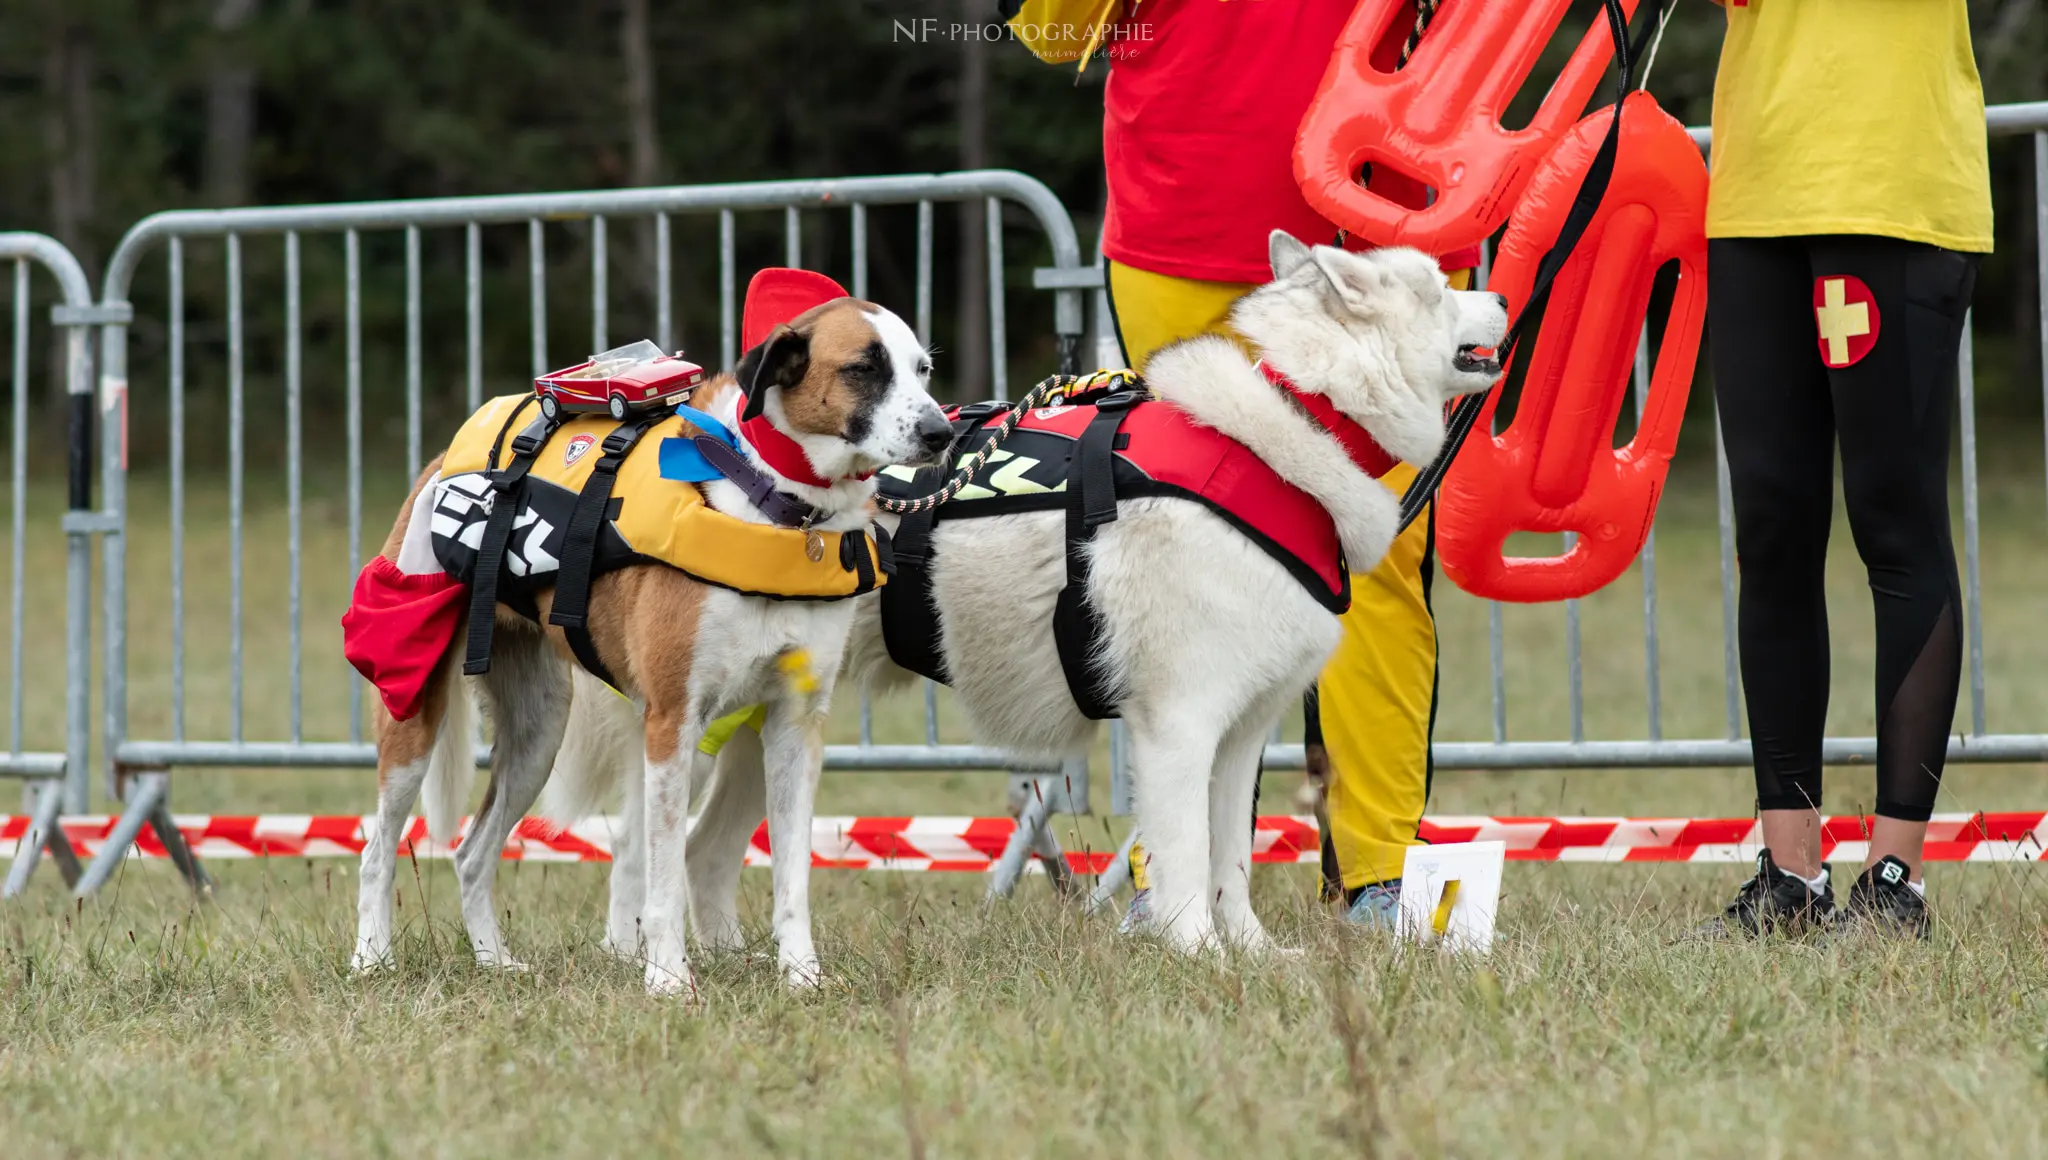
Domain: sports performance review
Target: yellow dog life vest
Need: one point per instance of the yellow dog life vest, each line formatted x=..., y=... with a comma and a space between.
x=650, y=518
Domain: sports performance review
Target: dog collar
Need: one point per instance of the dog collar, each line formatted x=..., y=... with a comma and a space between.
x=779, y=506
x=720, y=449
x=1357, y=442
x=783, y=453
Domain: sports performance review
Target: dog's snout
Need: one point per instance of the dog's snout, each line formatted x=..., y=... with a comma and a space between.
x=1500, y=298
x=933, y=431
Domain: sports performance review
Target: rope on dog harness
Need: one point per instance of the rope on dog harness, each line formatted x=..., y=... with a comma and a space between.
x=490, y=556
x=1591, y=191
x=579, y=544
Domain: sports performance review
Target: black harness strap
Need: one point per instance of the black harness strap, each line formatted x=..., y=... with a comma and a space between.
x=1091, y=503
x=490, y=553
x=579, y=544
x=854, y=557
x=910, y=621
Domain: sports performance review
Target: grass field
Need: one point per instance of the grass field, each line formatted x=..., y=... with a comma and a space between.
x=141, y=1023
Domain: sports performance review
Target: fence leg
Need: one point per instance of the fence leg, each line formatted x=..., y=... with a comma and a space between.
x=146, y=794
x=44, y=831
x=1033, y=835
x=1046, y=845
x=181, y=854
x=1115, y=878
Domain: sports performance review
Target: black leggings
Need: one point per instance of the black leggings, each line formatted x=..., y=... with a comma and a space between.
x=1780, y=331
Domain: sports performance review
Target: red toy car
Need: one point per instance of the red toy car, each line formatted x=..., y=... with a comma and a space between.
x=623, y=381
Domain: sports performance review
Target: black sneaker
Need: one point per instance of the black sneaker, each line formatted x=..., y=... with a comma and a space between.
x=1772, y=901
x=1882, y=900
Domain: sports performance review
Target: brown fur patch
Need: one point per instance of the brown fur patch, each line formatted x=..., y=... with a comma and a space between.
x=839, y=333
x=643, y=620
x=707, y=397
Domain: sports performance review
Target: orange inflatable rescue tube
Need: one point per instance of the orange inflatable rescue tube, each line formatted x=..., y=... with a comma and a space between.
x=1436, y=120
x=1555, y=468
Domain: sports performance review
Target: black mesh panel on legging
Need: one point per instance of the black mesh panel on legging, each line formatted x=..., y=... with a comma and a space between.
x=1913, y=727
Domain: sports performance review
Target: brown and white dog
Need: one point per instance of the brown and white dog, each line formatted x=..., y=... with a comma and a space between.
x=847, y=382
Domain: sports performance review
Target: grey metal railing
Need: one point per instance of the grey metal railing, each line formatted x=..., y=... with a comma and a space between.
x=59, y=780
x=140, y=765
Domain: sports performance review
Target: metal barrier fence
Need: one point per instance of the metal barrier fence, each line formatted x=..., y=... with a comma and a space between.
x=59, y=780
x=141, y=765
x=138, y=767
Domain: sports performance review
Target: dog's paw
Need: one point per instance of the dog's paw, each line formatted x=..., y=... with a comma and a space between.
x=499, y=960
x=668, y=984
x=804, y=977
x=629, y=949
x=364, y=963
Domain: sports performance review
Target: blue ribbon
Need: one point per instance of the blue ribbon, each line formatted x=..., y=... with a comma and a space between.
x=680, y=459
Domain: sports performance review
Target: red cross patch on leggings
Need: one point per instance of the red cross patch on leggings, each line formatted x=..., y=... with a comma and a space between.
x=1845, y=313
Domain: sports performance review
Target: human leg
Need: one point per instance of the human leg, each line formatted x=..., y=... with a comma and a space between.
x=1892, y=408
x=1777, y=426
x=1376, y=699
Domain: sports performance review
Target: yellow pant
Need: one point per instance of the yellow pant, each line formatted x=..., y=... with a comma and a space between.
x=1378, y=692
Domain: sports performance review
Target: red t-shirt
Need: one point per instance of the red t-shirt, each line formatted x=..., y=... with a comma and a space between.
x=1203, y=103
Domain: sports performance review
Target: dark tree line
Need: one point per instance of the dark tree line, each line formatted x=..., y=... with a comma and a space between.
x=113, y=109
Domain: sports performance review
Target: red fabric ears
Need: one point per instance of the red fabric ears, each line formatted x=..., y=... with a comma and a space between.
x=776, y=295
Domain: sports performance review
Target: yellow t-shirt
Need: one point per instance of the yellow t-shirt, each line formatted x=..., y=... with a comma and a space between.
x=1850, y=117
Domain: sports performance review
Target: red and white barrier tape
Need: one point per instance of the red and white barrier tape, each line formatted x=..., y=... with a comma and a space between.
x=973, y=844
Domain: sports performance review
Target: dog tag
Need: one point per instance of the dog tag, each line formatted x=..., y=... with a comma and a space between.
x=814, y=546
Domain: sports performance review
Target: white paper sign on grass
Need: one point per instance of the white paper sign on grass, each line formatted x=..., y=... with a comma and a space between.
x=1450, y=893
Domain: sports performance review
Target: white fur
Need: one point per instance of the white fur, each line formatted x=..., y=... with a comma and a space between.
x=451, y=767
x=416, y=552
x=603, y=734
x=1207, y=637
x=1211, y=380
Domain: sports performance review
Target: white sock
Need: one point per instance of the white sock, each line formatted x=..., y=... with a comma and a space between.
x=1919, y=888
x=1817, y=884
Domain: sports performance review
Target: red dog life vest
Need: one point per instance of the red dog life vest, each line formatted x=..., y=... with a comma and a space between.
x=1083, y=459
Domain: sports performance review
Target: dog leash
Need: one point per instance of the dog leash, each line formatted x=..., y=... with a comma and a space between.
x=1591, y=191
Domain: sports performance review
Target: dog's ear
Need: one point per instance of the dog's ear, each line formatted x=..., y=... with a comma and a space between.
x=781, y=360
x=1358, y=282
x=1286, y=252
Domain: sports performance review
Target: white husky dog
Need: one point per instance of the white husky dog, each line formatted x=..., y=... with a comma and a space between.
x=1209, y=637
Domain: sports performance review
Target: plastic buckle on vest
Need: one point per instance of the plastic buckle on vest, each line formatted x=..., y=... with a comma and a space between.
x=1120, y=400
x=985, y=409
x=618, y=441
